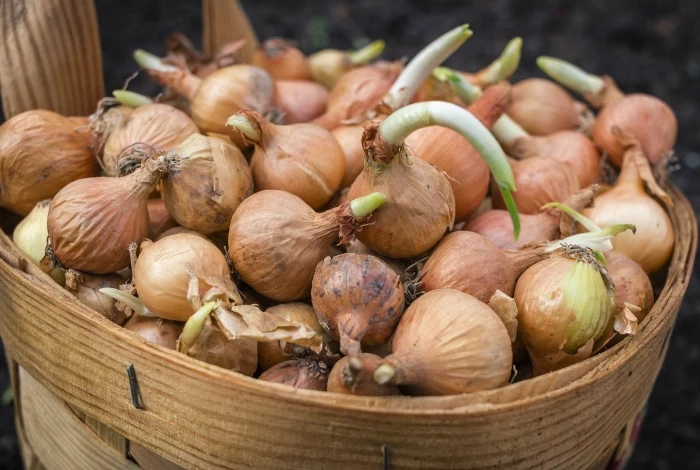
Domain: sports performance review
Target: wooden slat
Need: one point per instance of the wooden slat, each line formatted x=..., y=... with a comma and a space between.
x=50, y=56
x=225, y=21
x=200, y=416
x=110, y=437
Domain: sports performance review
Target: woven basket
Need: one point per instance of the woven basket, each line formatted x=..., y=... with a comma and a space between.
x=75, y=402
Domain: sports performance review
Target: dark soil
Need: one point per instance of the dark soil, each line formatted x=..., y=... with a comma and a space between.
x=649, y=46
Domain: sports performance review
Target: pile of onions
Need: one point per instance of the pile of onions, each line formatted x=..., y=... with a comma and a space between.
x=328, y=65
x=542, y=107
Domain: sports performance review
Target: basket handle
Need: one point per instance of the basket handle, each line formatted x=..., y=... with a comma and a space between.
x=50, y=56
x=225, y=21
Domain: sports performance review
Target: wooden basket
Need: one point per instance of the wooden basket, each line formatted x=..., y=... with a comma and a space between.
x=75, y=407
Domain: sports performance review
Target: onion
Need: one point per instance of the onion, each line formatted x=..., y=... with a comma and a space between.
x=302, y=159
x=32, y=233
x=358, y=299
x=353, y=375
x=433, y=89
x=276, y=240
x=281, y=60
x=446, y=343
x=148, y=129
x=182, y=52
x=93, y=221
x=40, y=153
x=328, y=65
x=500, y=69
x=163, y=271
x=306, y=373
x=87, y=287
x=632, y=285
x=111, y=114
x=421, y=202
x=646, y=118
x=155, y=330
x=160, y=220
x=300, y=100
x=470, y=263
x=542, y=107
x=209, y=178
x=539, y=181
x=350, y=140
x=652, y=245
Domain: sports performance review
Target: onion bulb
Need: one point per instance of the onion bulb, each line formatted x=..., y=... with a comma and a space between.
x=276, y=240
x=160, y=220
x=632, y=285
x=359, y=299
x=652, y=245
x=447, y=343
x=646, y=118
x=423, y=208
x=93, y=221
x=281, y=60
x=208, y=179
x=148, y=129
x=164, y=269
x=302, y=159
x=87, y=287
x=353, y=375
x=32, y=233
x=300, y=100
x=307, y=373
x=40, y=153
x=542, y=107
x=350, y=140
x=155, y=330
x=328, y=65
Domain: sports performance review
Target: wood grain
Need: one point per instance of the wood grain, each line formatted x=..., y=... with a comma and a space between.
x=50, y=56
x=108, y=435
x=225, y=21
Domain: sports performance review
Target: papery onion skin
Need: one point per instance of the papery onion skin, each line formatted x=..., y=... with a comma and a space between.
x=155, y=330
x=305, y=373
x=539, y=181
x=161, y=273
x=448, y=343
x=357, y=298
x=350, y=140
x=160, y=220
x=209, y=180
x=40, y=153
x=300, y=100
x=495, y=226
x=651, y=121
x=281, y=60
x=468, y=262
x=32, y=233
x=353, y=376
x=86, y=288
x=542, y=107
x=632, y=285
x=153, y=128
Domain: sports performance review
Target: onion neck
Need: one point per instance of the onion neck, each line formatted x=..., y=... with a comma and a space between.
x=193, y=327
x=508, y=132
x=636, y=171
x=423, y=64
x=146, y=178
x=501, y=68
x=182, y=81
x=366, y=54
x=525, y=257
x=341, y=222
x=394, y=370
x=249, y=124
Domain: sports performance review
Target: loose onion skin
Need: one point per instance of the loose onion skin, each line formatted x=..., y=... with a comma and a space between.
x=148, y=129
x=447, y=343
x=632, y=285
x=93, y=221
x=300, y=100
x=350, y=140
x=282, y=60
x=353, y=376
x=160, y=220
x=40, y=153
x=302, y=159
x=539, y=181
x=305, y=373
x=209, y=179
x=357, y=92
x=87, y=289
x=646, y=118
x=542, y=107
x=161, y=273
x=155, y=330
x=359, y=299
x=495, y=226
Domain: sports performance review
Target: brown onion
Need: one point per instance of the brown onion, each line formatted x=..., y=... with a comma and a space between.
x=87, y=287
x=160, y=219
x=632, y=285
x=155, y=330
x=447, y=343
x=307, y=373
x=163, y=269
x=328, y=65
x=208, y=179
x=542, y=107
x=359, y=299
x=148, y=129
x=350, y=140
x=276, y=240
x=539, y=181
x=434, y=89
x=93, y=221
x=302, y=159
x=300, y=100
x=282, y=60
x=40, y=153
x=353, y=375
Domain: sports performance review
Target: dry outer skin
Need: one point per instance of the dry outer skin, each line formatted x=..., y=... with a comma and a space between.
x=448, y=342
x=276, y=241
x=353, y=376
x=470, y=263
x=156, y=330
x=357, y=298
x=300, y=100
x=350, y=139
x=160, y=220
x=86, y=288
x=542, y=107
x=306, y=373
x=282, y=60
x=40, y=153
x=209, y=180
x=213, y=347
x=496, y=226
x=632, y=285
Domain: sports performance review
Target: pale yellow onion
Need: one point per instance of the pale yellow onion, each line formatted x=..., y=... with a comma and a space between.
x=31, y=234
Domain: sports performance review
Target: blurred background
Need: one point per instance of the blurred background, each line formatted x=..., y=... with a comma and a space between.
x=649, y=46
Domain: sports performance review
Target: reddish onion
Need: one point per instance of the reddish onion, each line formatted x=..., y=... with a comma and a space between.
x=353, y=375
x=300, y=100
x=307, y=373
x=282, y=60
x=542, y=107
x=155, y=330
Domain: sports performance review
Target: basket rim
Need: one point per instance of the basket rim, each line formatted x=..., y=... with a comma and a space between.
x=473, y=404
